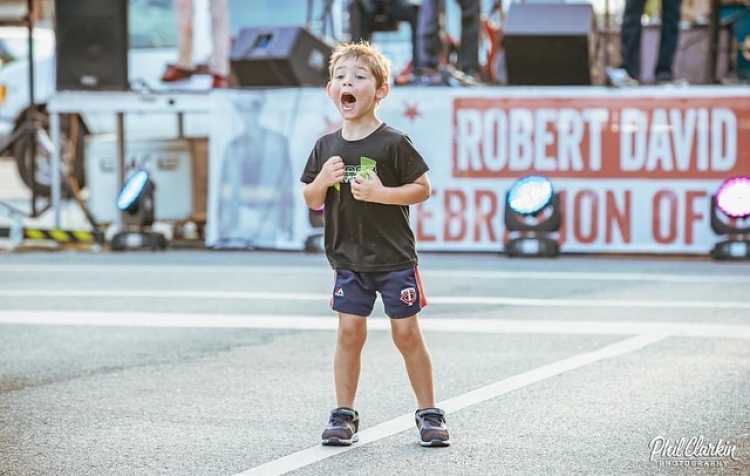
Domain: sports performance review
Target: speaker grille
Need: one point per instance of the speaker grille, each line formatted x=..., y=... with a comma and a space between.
x=549, y=44
x=279, y=56
x=92, y=45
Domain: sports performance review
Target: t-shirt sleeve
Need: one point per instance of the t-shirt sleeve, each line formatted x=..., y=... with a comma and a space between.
x=409, y=163
x=312, y=168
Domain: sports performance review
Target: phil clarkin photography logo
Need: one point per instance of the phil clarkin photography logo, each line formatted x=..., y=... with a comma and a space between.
x=696, y=452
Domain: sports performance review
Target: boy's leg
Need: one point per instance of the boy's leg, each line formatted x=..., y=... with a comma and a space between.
x=403, y=297
x=352, y=297
x=408, y=339
x=352, y=333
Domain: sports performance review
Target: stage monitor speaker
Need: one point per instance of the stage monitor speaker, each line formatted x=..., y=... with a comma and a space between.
x=92, y=44
x=549, y=43
x=279, y=56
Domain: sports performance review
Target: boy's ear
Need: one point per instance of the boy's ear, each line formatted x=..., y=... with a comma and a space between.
x=382, y=91
x=328, y=89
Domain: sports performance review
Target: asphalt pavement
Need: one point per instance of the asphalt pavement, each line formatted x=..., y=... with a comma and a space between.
x=214, y=363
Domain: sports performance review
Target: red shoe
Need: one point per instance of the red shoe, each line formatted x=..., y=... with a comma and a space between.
x=202, y=68
x=176, y=73
x=219, y=81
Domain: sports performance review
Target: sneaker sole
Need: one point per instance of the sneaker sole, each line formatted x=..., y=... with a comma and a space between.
x=340, y=442
x=434, y=443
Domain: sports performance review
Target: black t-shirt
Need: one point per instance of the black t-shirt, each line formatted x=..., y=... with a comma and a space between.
x=365, y=236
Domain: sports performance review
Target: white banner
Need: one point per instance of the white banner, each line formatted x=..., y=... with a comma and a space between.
x=635, y=168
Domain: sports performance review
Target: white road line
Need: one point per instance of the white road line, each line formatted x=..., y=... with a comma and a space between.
x=317, y=453
x=588, y=276
x=276, y=296
x=495, y=326
x=428, y=273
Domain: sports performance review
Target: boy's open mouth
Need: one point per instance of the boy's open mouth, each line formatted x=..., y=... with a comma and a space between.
x=347, y=101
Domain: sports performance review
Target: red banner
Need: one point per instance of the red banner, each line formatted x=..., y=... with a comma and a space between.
x=675, y=138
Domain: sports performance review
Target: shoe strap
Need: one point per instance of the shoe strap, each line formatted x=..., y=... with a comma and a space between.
x=345, y=411
x=431, y=411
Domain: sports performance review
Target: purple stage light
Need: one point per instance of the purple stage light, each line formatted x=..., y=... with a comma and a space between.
x=733, y=197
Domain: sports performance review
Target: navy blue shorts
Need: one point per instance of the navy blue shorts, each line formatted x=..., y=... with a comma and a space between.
x=402, y=292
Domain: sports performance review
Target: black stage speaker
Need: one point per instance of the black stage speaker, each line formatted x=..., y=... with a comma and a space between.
x=92, y=44
x=279, y=56
x=549, y=43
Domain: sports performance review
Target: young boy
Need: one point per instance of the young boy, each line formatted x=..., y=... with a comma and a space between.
x=367, y=174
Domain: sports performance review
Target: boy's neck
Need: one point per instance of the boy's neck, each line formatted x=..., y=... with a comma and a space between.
x=360, y=128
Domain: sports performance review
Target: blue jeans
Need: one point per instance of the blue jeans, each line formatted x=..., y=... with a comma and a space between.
x=630, y=36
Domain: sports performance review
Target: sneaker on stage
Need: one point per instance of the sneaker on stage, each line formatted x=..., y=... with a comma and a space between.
x=432, y=427
x=443, y=76
x=342, y=427
x=619, y=78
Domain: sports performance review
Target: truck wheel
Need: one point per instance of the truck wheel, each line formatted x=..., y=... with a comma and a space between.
x=71, y=165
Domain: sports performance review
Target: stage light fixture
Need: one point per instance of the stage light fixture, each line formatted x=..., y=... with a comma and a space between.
x=529, y=195
x=730, y=217
x=532, y=214
x=733, y=197
x=136, y=200
x=137, y=187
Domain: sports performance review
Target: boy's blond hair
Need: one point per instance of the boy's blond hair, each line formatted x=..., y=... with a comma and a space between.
x=379, y=65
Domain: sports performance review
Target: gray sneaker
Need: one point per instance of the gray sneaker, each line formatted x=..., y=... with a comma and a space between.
x=432, y=428
x=342, y=427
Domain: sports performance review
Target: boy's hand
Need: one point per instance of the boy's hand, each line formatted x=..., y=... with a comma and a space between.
x=332, y=171
x=367, y=189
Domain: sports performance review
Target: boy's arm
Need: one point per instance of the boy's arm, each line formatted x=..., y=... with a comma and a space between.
x=315, y=191
x=373, y=190
x=315, y=194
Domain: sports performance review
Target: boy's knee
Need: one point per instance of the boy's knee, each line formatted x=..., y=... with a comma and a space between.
x=406, y=338
x=352, y=337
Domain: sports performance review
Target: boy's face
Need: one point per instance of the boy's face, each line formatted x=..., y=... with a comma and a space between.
x=352, y=89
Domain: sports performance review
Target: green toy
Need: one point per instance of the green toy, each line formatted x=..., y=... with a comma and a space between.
x=366, y=167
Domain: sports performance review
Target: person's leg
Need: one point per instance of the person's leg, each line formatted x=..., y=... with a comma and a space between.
x=406, y=11
x=351, y=337
x=360, y=21
x=428, y=34
x=184, y=13
x=468, y=55
x=183, y=68
x=353, y=297
x=343, y=423
x=403, y=298
x=408, y=339
x=670, y=31
x=630, y=37
x=220, y=38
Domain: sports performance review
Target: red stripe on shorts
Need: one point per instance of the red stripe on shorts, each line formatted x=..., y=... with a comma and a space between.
x=330, y=303
x=420, y=286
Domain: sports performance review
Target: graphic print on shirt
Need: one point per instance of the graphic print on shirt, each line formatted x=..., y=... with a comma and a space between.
x=364, y=169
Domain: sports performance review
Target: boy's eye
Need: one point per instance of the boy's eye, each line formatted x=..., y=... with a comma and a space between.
x=359, y=76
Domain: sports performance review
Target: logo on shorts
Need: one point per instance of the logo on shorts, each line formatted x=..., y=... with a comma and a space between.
x=339, y=292
x=409, y=296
